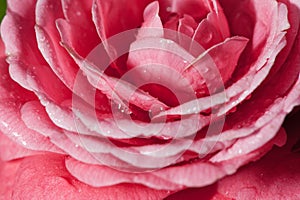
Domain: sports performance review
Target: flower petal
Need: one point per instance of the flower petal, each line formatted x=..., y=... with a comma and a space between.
x=49, y=179
x=27, y=66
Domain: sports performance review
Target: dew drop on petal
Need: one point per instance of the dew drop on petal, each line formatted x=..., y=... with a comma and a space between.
x=207, y=37
x=4, y=124
x=234, y=109
x=248, y=97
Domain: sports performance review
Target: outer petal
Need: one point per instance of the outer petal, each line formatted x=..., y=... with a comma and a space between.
x=12, y=98
x=27, y=66
x=45, y=177
x=8, y=172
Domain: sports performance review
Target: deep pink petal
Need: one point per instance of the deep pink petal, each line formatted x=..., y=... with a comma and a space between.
x=111, y=17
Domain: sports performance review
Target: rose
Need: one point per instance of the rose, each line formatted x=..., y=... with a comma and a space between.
x=40, y=118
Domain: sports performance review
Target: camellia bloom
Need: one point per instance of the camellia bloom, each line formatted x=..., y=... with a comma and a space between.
x=142, y=97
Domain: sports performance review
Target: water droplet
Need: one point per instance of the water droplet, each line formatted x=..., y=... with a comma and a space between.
x=8, y=53
x=204, y=69
x=207, y=37
x=238, y=126
x=15, y=134
x=128, y=112
x=78, y=13
x=4, y=76
x=277, y=101
x=166, y=41
x=233, y=110
x=119, y=106
x=4, y=124
x=169, y=9
x=248, y=97
x=12, y=94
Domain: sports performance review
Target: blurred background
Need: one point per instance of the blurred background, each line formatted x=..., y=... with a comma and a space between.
x=2, y=8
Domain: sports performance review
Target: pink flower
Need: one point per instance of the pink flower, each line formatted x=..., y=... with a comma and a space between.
x=140, y=99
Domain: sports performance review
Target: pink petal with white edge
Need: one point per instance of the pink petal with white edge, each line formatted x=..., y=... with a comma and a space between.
x=196, y=174
x=228, y=166
x=36, y=118
x=225, y=61
x=27, y=66
x=12, y=98
x=152, y=26
x=123, y=128
x=47, y=12
x=13, y=126
x=101, y=176
x=294, y=20
x=116, y=89
x=201, y=174
x=255, y=180
x=243, y=87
